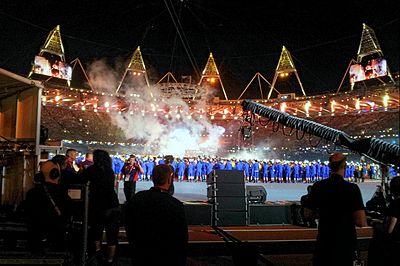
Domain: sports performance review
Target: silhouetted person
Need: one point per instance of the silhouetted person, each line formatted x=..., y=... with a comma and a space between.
x=104, y=211
x=156, y=224
x=48, y=209
x=392, y=222
x=340, y=207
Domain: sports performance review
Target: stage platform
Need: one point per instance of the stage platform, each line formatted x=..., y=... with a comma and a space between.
x=269, y=240
x=276, y=192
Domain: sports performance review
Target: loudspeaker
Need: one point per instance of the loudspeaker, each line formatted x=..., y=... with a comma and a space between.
x=226, y=192
x=230, y=218
x=256, y=194
x=226, y=176
x=231, y=203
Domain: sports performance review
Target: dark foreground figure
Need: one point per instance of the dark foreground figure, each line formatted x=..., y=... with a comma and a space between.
x=340, y=208
x=156, y=225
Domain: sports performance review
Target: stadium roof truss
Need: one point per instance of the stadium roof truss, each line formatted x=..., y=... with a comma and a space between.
x=285, y=66
x=137, y=67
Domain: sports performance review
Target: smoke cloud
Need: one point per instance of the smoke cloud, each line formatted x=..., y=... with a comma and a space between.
x=164, y=125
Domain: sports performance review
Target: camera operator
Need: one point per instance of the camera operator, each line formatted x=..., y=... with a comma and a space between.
x=47, y=208
x=130, y=173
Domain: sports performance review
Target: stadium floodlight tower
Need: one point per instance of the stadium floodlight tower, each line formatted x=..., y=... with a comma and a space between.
x=136, y=71
x=369, y=45
x=211, y=75
x=53, y=45
x=284, y=68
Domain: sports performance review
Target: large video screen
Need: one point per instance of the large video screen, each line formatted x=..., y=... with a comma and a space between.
x=57, y=69
x=374, y=68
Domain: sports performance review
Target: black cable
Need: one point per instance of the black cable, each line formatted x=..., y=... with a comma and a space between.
x=290, y=132
x=275, y=126
x=312, y=145
x=297, y=135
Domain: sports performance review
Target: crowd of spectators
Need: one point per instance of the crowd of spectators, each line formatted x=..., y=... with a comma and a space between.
x=78, y=125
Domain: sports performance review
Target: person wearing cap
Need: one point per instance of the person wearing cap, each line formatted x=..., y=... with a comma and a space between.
x=48, y=210
x=340, y=207
x=155, y=224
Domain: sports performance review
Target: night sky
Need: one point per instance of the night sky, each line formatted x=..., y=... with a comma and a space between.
x=245, y=36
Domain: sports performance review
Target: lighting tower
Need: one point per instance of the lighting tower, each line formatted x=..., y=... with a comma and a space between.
x=53, y=44
x=369, y=45
x=136, y=70
x=284, y=68
x=211, y=75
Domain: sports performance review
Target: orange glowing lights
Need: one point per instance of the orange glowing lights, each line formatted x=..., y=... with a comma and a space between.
x=284, y=74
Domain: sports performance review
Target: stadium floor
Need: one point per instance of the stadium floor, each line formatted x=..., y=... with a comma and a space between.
x=197, y=191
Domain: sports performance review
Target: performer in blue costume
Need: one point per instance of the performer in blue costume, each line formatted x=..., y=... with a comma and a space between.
x=181, y=169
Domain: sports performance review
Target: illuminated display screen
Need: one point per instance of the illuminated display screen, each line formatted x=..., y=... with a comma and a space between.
x=57, y=69
x=373, y=69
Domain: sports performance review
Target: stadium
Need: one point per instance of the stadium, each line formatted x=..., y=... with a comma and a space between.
x=63, y=105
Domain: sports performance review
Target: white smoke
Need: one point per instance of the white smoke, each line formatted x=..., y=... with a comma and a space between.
x=102, y=77
x=165, y=125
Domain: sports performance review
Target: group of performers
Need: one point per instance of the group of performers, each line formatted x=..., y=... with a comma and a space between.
x=197, y=169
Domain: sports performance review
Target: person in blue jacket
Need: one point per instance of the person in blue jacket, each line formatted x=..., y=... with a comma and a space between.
x=142, y=162
x=313, y=170
x=288, y=172
x=199, y=169
x=149, y=169
x=307, y=171
x=239, y=165
x=296, y=172
x=191, y=170
x=265, y=171
x=181, y=169
x=228, y=165
x=210, y=166
x=255, y=171
x=279, y=172
x=272, y=171
x=221, y=165
x=246, y=170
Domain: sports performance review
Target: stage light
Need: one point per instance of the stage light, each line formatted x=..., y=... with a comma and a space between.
x=386, y=101
x=307, y=108
x=212, y=117
x=83, y=108
x=283, y=107
x=357, y=105
x=106, y=104
x=212, y=80
x=57, y=98
x=208, y=79
x=333, y=103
